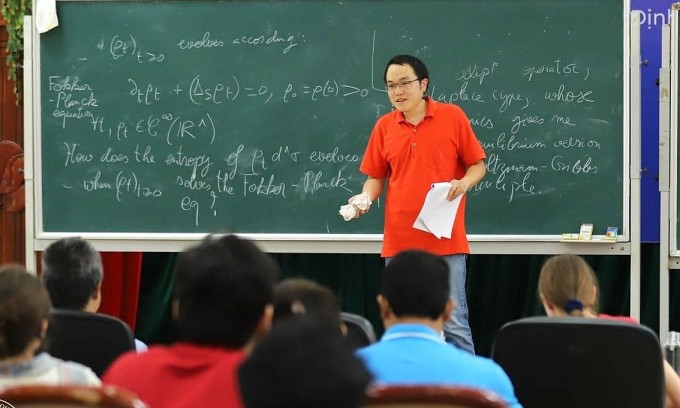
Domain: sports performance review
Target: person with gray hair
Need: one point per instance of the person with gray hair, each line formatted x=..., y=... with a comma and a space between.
x=72, y=272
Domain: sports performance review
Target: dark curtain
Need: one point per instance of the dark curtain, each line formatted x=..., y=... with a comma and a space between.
x=500, y=288
x=154, y=320
x=120, y=287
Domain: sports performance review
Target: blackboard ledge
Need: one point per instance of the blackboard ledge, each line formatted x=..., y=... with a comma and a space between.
x=596, y=239
x=674, y=260
x=339, y=243
x=538, y=238
x=175, y=242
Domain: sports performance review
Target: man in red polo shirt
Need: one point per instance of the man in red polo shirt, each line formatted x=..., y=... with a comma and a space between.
x=224, y=288
x=419, y=143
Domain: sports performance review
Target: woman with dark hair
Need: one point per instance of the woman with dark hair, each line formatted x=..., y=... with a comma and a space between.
x=302, y=296
x=24, y=313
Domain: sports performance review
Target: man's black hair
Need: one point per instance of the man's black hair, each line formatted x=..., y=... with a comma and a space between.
x=418, y=66
x=416, y=283
x=222, y=287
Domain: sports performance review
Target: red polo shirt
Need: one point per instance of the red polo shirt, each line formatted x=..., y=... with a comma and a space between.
x=439, y=149
x=182, y=375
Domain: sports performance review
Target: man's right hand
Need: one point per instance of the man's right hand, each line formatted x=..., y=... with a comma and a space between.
x=362, y=202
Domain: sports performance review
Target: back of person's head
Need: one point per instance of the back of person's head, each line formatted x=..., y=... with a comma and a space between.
x=24, y=309
x=301, y=296
x=569, y=283
x=416, y=284
x=72, y=272
x=222, y=288
x=301, y=363
x=418, y=66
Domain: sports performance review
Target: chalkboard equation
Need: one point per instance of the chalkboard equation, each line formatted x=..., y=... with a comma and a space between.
x=259, y=124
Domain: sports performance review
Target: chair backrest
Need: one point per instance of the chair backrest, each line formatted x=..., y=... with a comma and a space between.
x=92, y=339
x=360, y=331
x=581, y=362
x=63, y=396
x=402, y=396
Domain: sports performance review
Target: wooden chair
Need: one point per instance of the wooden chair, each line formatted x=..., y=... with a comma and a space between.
x=406, y=396
x=67, y=396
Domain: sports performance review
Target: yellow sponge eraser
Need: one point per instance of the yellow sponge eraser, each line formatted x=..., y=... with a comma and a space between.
x=569, y=236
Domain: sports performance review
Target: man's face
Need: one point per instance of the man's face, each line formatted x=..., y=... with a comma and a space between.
x=403, y=87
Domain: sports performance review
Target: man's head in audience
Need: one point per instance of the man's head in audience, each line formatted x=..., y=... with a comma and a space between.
x=301, y=296
x=302, y=363
x=72, y=273
x=415, y=288
x=223, y=292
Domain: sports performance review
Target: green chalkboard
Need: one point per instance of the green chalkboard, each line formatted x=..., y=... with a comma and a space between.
x=252, y=116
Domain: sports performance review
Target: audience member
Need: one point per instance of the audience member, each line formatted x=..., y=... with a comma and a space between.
x=414, y=304
x=72, y=272
x=222, y=305
x=568, y=286
x=303, y=363
x=24, y=313
x=301, y=296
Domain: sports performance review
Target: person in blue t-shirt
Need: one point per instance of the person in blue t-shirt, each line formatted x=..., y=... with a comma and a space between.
x=414, y=304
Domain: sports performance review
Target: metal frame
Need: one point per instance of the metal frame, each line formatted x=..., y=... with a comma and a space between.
x=669, y=253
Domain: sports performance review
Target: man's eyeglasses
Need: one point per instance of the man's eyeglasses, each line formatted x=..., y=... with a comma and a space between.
x=400, y=85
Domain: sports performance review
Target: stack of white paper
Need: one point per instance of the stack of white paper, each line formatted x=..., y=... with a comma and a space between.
x=438, y=213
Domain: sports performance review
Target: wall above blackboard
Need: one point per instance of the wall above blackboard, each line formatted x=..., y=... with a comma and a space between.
x=252, y=116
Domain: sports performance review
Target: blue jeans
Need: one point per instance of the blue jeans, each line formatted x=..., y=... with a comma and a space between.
x=456, y=328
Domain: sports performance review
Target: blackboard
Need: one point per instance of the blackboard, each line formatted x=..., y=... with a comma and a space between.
x=252, y=116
